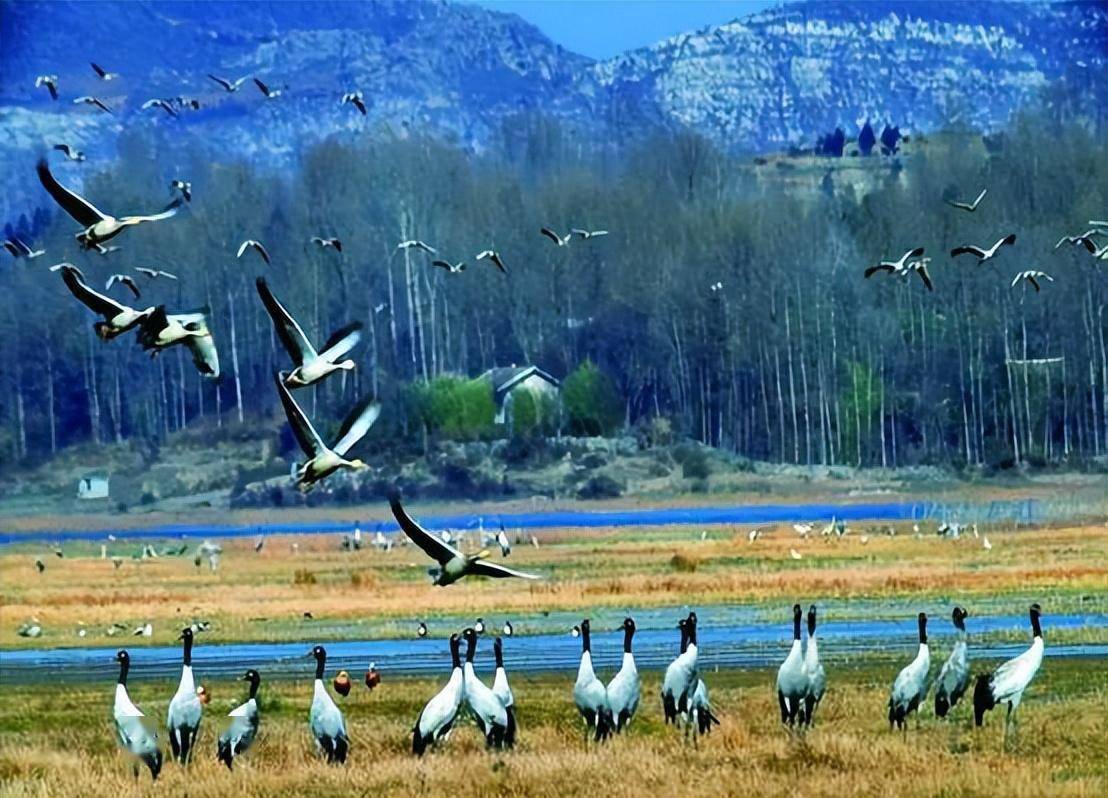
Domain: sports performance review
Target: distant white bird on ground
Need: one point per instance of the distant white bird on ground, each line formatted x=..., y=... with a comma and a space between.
x=134, y=731
x=792, y=677
x=243, y=727
x=436, y=720
x=421, y=630
x=31, y=629
x=145, y=630
x=752, y=535
x=1008, y=682
x=969, y=206
x=210, y=551
x=184, y=714
x=503, y=542
x=804, y=530
x=624, y=689
x=250, y=243
x=507, y=629
x=589, y=694
x=984, y=255
x=910, y=687
x=985, y=544
x=954, y=676
x=325, y=720
x=796, y=555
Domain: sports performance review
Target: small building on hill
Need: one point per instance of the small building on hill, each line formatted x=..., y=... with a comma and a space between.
x=508, y=381
x=94, y=486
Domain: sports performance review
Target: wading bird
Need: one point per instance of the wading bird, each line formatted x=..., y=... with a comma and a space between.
x=135, y=733
x=969, y=206
x=184, y=187
x=450, y=268
x=954, y=676
x=585, y=235
x=229, y=86
x=490, y=714
x=589, y=694
x=503, y=691
x=898, y=266
x=325, y=720
x=436, y=720
x=416, y=244
x=243, y=726
x=310, y=366
x=681, y=674
x=624, y=689
x=452, y=564
x=324, y=243
x=1008, y=682
x=700, y=717
x=125, y=280
x=183, y=718
x=270, y=94
x=153, y=274
x=792, y=677
x=984, y=255
x=910, y=687
x=159, y=102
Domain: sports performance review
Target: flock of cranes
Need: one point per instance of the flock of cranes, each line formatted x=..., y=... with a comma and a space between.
x=605, y=709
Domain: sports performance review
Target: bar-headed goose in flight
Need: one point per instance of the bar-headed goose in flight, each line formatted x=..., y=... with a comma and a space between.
x=792, y=677
x=984, y=255
x=183, y=717
x=1033, y=277
x=1086, y=239
x=354, y=98
x=1008, y=682
x=183, y=187
x=494, y=257
x=561, y=241
x=968, y=206
x=450, y=268
x=817, y=678
x=894, y=266
x=21, y=249
x=589, y=693
x=50, y=82
x=585, y=235
x=681, y=674
x=416, y=244
x=270, y=94
x=452, y=564
x=311, y=366
x=323, y=460
x=161, y=330
x=71, y=153
x=158, y=102
x=323, y=243
x=624, y=689
x=89, y=100
x=436, y=721
x=123, y=279
x=910, y=687
x=230, y=86
x=154, y=274
x=250, y=243
x=325, y=720
x=954, y=676
x=102, y=73
x=243, y=726
x=118, y=318
x=135, y=733
x=99, y=226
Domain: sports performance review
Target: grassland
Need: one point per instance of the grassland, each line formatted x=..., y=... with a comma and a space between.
x=263, y=596
x=60, y=742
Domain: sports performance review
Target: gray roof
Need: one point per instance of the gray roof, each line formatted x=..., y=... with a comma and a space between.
x=505, y=378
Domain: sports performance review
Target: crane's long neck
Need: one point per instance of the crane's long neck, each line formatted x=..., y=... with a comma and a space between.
x=684, y=638
x=499, y=654
x=586, y=643
x=1035, y=628
x=923, y=631
x=254, y=681
x=455, y=654
x=796, y=626
x=471, y=648
x=628, y=634
x=691, y=629
x=320, y=664
x=186, y=651
x=124, y=666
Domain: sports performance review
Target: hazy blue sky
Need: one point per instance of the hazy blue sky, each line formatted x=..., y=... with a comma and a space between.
x=603, y=28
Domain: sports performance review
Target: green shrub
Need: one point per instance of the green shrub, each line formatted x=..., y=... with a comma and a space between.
x=451, y=407
x=590, y=401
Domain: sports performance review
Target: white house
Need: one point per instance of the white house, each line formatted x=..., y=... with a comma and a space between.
x=507, y=382
x=92, y=487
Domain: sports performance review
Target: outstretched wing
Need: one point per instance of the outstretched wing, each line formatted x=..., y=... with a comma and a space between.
x=105, y=306
x=226, y=84
x=976, y=251
x=341, y=341
x=486, y=568
x=546, y=231
x=356, y=425
x=293, y=338
x=872, y=270
x=432, y=545
x=165, y=213
x=76, y=206
x=204, y=354
x=261, y=87
x=306, y=435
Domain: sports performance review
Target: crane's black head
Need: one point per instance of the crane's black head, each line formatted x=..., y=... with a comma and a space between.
x=797, y=611
x=469, y=634
x=923, y=627
x=251, y=676
x=1036, y=613
x=959, y=616
x=628, y=625
x=186, y=634
x=319, y=652
x=122, y=656
x=584, y=627
x=692, y=619
x=812, y=619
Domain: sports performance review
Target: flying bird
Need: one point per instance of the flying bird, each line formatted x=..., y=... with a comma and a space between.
x=20, y=249
x=270, y=94
x=50, y=82
x=102, y=250
x=323, y=460
x=323, y=243
x=124, y=280
x=494, y=257
x=230, y=86
x=250, y=243
x=557, y=239
x=585, y=235
x=102, y=73
x=160, y=330
x=1085, y=238
x=153, y=274
x=451, y=268
x=895, y=266
x=354, y=98
x=311, y=365
x=416, y=244
x=984, y=255
x=452, y=564
x=70, y=153
x=88, y=100
x=99, y=226
x=184, y=187
x=920, y=267
x=1100, y=254
x=969, y=206
x=118, y=318
x=158, y=102
x=1032, y=277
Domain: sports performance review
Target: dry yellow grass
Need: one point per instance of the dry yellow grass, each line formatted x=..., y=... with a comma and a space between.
x=259, y=596
x=59, y=742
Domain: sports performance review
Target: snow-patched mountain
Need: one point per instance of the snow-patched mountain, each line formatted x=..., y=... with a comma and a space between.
x=781, y=77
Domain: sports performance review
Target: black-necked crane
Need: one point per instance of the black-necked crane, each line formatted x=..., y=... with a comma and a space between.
x=910, y=687
x=680, y=677
x=417, y=244
x=701, y=717
x=270, y=94
x=18, y=248
x=1006, y=685
x=124, y=280
x=792, y=677
x=900, y=267
x=625, y=688
x=448, y=267
x=162, y=103
x=954, y=676
x=183, y=717
x=585, y=235
x=436, y=720
x=561, y=241
x=182, y=187
x=490, y=714
x=98, y=226
x=503, y=691
x=243, y=723
x=817, y=677
x=325, y=720
x=984, y=255
x=134, y=731
x=325, y=243
x=154, y=274
x=589, y=694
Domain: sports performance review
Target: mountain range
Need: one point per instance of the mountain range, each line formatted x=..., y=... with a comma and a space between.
x=772, y=80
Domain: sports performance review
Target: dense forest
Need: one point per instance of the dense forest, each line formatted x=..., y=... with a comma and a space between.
x=727, y=299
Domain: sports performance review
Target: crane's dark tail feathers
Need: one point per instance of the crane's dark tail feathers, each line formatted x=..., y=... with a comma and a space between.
x=705, y=719
x=942, y=705
x=419, y=744
x=669, y=707
x=154, y=762
x=336, y=749
x=982, y=698
x=225, y=754
x=510, y=729
x=604, y=725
